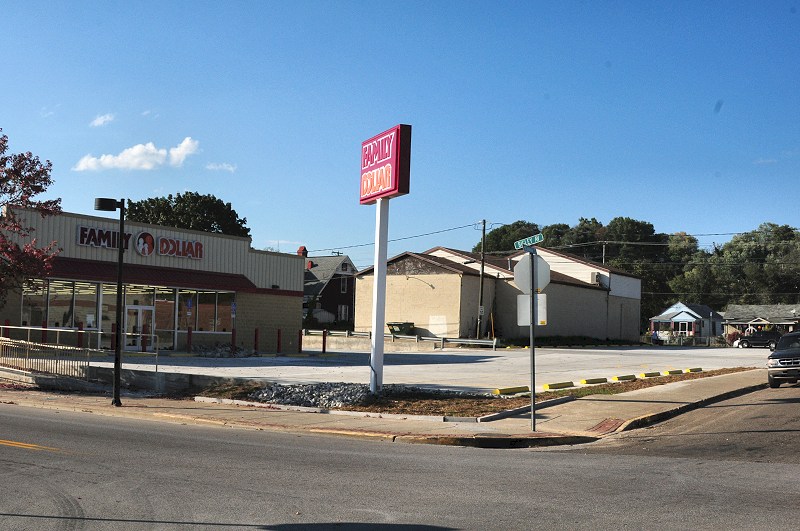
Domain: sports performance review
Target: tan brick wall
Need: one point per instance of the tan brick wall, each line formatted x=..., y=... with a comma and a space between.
x=268, y=313
x=431, y=302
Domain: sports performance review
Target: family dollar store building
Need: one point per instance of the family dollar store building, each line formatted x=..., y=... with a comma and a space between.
x=182, y=288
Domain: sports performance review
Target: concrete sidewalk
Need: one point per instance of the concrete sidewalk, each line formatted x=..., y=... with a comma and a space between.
x=583, y=420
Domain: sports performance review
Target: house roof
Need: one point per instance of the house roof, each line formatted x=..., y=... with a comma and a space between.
x=499, y=263
x=324, y=268
x=438, y=261
x=572, y=257
x=456, y=267
x=699, y=311
x=773, y=313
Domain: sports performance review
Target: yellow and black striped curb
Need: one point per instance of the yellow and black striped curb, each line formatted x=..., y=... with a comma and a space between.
x=511, y=390
x=590, y=381
x=620, y=378
x=559, y=385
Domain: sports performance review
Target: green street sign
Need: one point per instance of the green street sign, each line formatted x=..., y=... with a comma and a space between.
x=531, y=240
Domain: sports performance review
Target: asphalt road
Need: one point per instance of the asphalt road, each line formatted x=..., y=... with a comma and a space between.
x=88, y=472
x=760, y=427
x=475, y=370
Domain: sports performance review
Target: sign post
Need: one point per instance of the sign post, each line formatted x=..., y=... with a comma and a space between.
x=385, y=171
x=533, y=288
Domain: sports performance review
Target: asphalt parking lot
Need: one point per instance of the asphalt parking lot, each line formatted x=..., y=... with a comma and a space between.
x=462, y=369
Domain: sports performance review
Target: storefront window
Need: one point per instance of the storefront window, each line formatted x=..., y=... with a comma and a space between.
x=225, y=302
x=108, y=311
x=165, y=309
x=165, y=317
x=59, y=302
x=85, y=305
x=207, y=311
x=34, y=303
x=187, y=309
x=139, y=295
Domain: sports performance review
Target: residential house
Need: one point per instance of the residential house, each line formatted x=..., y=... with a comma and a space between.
x=328, y=290
x=747, y=318
x=686, y=320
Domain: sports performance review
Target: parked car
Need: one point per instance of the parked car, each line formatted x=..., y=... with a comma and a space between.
x=760, y=338
x=783, y=365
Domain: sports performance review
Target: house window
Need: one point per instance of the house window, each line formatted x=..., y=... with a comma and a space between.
x=344, y=312
x=343, y=284
x=344, y=267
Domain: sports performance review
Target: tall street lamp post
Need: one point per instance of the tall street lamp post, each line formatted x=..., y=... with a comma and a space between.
x=110, y=205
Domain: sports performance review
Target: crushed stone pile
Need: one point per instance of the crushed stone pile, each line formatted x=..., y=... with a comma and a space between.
x=332, y=395
x=221, y=351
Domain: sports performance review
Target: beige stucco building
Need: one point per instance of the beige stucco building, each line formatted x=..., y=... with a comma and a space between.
x=176, y=283
x=438, y=291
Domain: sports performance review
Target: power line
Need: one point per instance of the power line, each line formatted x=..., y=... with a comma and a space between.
x=393, y=240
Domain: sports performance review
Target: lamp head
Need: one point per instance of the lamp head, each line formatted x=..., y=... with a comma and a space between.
x=106, y=204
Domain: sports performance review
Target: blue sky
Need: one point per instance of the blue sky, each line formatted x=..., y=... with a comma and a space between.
x=684, y=114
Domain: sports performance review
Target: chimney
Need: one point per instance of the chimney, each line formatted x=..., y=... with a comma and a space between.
x=302, y=251
x=309, y=265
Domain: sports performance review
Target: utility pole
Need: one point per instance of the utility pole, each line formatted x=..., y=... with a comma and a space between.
x=480, y=287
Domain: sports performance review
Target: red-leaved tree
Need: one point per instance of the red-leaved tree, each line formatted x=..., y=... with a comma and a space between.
x=22, y=177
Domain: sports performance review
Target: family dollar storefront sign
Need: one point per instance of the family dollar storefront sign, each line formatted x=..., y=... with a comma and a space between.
x=385, y=164
x=144, y=243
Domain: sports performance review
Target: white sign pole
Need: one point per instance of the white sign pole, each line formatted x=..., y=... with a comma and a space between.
x=379, y=295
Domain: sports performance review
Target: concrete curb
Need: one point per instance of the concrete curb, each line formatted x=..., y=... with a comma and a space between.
x=648, y=420
x=323, y=411
x=525, y=409
x=498, y=442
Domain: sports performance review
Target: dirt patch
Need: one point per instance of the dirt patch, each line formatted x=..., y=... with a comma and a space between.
x=422, y=403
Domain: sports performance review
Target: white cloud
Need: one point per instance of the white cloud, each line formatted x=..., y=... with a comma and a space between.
x=47, y=112
x=102, y=120
x=139, y=157
x=179, y=153
x=765, y=162
x=223, y=166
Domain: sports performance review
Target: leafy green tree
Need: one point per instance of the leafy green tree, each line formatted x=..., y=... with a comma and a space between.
x=22, y=177
x=581, y=239
x=757, y=267
x=502, y=238
x=189, y=210
x=554, y=234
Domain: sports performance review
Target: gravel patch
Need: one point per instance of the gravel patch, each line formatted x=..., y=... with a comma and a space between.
x=221, y=351
x=337, y=395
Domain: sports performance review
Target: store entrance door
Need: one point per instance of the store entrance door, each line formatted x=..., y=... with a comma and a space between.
x=139, y=334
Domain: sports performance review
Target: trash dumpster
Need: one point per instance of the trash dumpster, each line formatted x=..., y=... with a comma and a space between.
x=401, y=329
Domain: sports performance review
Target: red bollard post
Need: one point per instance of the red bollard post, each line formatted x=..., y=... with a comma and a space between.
x=44, y=331
x=324, y=340
x=233, y=340
x=189, y=339
x=255, y=341
x=300, y=342
x=278, y=348
x=80, y=335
